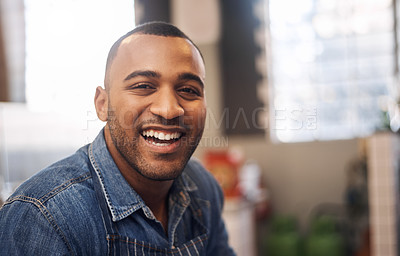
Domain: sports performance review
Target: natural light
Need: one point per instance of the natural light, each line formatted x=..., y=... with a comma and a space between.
x=332, y=65
x=67, y=42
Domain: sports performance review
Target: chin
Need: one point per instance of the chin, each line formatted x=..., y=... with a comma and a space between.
x=161, y=170
x=161, y=175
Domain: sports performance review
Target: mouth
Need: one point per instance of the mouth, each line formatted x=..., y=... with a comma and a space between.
x=161, y=138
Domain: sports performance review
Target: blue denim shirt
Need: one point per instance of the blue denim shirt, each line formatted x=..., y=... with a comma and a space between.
x=82, y=205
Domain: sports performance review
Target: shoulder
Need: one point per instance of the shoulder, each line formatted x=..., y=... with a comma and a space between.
x=55, y=178
x=196, y=171
x=56, y=204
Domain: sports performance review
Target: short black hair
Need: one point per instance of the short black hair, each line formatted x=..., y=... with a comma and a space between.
x=157, y=28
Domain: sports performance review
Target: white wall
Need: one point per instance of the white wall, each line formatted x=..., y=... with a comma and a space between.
x=30, y=141
x=301, y=176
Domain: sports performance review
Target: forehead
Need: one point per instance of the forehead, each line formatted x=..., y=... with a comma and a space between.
x=157, y=53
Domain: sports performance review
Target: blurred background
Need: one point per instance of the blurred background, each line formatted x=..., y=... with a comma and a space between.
x=303, y=117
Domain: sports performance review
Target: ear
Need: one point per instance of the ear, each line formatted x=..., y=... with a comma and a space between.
x=101, y=103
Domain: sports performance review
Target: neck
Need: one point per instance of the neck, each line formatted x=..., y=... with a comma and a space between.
x=154, y=193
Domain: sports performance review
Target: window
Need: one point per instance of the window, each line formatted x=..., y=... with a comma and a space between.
x=67, y=43
x=332, y=65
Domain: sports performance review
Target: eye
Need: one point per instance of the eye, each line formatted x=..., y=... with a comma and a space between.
x=141, y=88
x=189, y=92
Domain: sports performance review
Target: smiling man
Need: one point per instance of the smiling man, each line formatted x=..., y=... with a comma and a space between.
x=134, y=189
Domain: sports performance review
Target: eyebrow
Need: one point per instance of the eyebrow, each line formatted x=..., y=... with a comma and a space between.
x=153, y=74
x=190, y=76
x=145, y=73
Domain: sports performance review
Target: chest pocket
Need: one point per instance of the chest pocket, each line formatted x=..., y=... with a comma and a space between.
x=118, y=245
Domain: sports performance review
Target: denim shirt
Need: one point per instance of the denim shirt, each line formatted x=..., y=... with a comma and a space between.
x=82, y=205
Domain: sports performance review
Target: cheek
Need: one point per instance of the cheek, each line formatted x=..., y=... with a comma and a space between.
x=196, y=117
x=127, y=118
x=126, y=115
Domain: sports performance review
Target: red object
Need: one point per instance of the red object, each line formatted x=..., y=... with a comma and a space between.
x=225, y=169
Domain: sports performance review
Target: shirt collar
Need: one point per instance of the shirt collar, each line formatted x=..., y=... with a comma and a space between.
x=122, y=199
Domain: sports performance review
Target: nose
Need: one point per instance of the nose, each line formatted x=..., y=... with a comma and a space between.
x=166, y=104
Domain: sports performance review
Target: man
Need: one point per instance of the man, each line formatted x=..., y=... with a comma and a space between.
x=134, y=189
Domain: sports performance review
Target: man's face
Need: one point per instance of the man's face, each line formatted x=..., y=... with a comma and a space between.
x=156, y=104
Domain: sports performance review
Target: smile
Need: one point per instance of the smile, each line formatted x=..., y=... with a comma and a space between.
x=161, y=138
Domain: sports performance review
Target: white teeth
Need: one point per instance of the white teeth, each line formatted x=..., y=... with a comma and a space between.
x=159, y=144
x=161, y=135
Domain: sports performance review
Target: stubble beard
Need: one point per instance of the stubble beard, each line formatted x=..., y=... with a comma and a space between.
x=128, y=148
